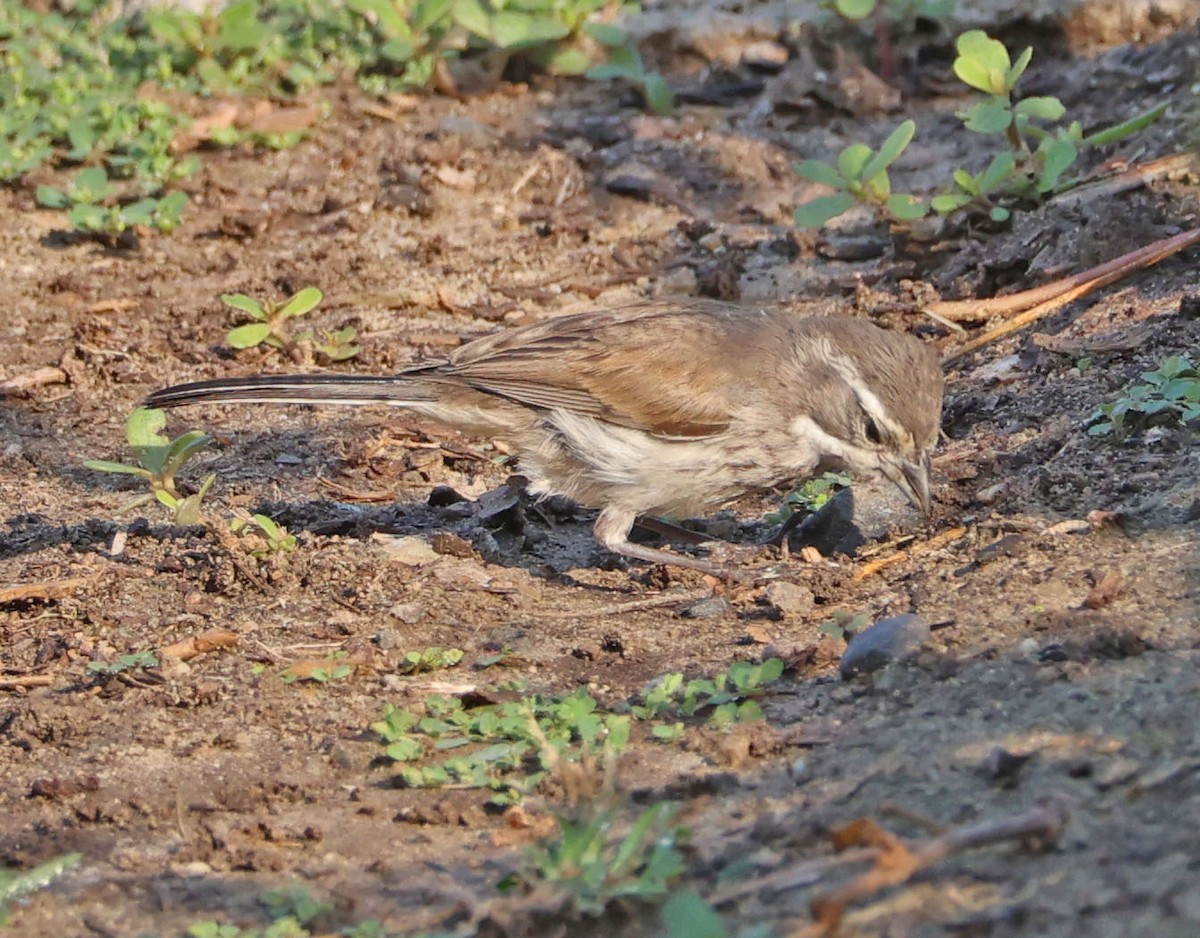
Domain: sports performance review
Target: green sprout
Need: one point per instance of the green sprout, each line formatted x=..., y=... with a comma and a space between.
x=275, y=535
x=844, y=625
x=268, y=326
x=431, y=659
x=91, y=209
x=624, y=61
x=1170, y=396
x=810, y=497
x=159, y=459
x=593, y=863
x=860, y=176
x=130, y=662
x=727, y=696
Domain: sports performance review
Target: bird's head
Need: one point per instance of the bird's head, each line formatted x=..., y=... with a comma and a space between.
x=877, y=405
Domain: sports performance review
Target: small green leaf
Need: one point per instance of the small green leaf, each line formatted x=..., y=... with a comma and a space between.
x=398, y=50
x=1001, y=166
x=852, y=160
x=51, y=197
x=104, y=465
x=659, y=97
x=999, y=213
x=855, y=10
x=820, y=172
x=1018, y=68
x=890, y=151
x=605, y=33
x=817, y=212
x=1057, y=157
x=988, y=117
x=906, y=207
x=1043, y=108
x=143, y=426
x=473, y=17
x=301, y=303
x=245, y=304
x=249, y=335
x=140, y=212
x=1125, y=128
x=982, y=62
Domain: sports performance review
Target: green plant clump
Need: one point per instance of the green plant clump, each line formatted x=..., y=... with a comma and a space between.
x=14, y=885
x=811, y=496
x=159, y=459
x=1170, y=396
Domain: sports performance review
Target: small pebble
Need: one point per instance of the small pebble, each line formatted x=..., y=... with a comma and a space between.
x=886, y=641
x=711, y=608
x=388, y=639
x=798, y=770
x=791, y=599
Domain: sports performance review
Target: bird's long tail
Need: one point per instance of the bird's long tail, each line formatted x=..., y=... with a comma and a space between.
x=298, y=389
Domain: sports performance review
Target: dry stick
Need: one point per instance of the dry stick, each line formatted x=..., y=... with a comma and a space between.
x=201, y=644
x=617, y=608
x=50, y=589
x=26, y=680
x=896, y=863
x=938, y=540
x=1071, y=287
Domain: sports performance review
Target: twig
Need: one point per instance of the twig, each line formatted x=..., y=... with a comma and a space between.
x=1099, y=277
x=919, y=547
x=1074, y=286
x=896, y=862
x=26, y=680
x=617, y=608
x=37, y=378
x=197, y=645
x=50, y=589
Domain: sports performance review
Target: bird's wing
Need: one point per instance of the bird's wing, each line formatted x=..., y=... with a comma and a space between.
x=649, y=367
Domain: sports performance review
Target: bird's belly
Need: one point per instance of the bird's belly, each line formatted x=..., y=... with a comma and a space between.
x=597, y=464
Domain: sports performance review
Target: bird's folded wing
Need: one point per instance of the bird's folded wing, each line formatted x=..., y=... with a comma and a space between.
x=648, y=368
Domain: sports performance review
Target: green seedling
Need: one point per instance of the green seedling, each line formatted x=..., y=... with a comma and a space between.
x=728, y=697
x=844, y=625
x=810, y=496
x=337, y=346
x=856, y=10
x=275, y=535
x=159, y=459
x=860, y=176
x=1040, y=154
x=269, y=319
x=14, y=885
x=431, y=659
x=506, y=748
x=594, y=864
x=625, y=62
x=1169, y=397
x=88, y=201
x=130, y=662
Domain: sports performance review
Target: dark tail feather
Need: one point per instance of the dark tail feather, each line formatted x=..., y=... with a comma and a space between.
x=302, y=389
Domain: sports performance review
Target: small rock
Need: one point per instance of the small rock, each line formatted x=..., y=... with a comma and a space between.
x=711, y=608
x=1003, y=767
x=988, y=495
x=842, y=695
x=387, y=639
x=442, y=495
x=886, y=641
x=1027, y=647
x=411, y=550
x=766, y=56
x=449, y=543
x=798, y=770
x=791, y=599
x=830, y=529
x=408, y=613
x=474, y=132
x=352, y=756
x=1115, y=773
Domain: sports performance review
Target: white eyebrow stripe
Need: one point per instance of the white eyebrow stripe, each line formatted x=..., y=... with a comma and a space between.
x=866, y=397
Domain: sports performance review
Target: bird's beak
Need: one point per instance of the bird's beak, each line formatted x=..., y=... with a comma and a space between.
x=912, y=478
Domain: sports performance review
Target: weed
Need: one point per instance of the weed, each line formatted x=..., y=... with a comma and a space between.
x=431, y=659
x=861, y=175
x=728, y=696
x=810, y=496
x=1037, y=160
x=687, y=915
x=159, y=459
x=337, y=670
x=274, y=535
x=507, y=748
x=91, y=209
x=594, y=864
x=1170, y=396
x=844, y=625
x=14, y=885
x=130, y=662
x=268, y=326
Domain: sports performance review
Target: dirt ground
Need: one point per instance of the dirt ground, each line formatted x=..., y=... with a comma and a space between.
x=1063, y=665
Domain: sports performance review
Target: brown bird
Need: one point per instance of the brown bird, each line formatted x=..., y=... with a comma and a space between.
x=662, y=408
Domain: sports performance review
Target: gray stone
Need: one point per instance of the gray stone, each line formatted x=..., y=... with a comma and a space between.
x=884, y=642
x=791, y=599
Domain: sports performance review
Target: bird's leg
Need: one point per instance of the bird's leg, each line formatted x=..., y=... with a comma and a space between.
x=671, y=532
x=612, y=531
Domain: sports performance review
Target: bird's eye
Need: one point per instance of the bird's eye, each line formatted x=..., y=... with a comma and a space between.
x=872, y=432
